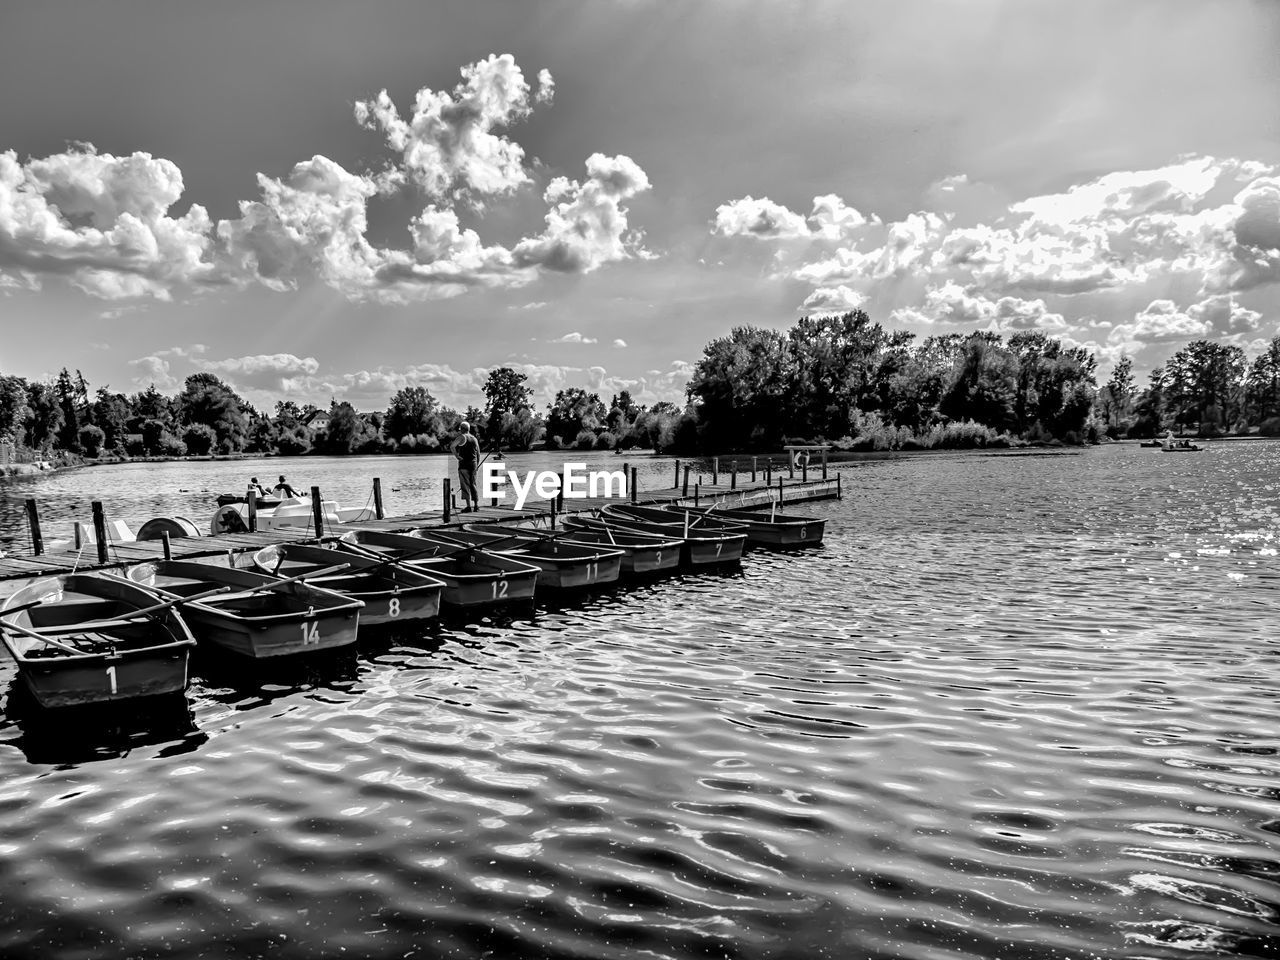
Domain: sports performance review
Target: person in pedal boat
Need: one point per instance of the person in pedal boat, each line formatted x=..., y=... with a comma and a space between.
x=467, y=449
x=282, y=489
x=258, y=488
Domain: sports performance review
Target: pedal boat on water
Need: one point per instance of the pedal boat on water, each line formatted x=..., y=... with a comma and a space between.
x=263, y=616
x=642, y=553
x=706, y=541
x=564, y=566
x=765, y=527
x=86, y=639
x=391, y=592
x=471, y=577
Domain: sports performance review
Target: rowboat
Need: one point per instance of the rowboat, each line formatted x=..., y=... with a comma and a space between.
x=767, y=528
x=391, y=592
x=706, y=540
x=264, y=616
x=81, y=639
x=471, y=578
x=641, y=552
x=563, y=566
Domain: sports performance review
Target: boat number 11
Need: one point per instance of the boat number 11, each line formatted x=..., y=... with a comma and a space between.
x=310, y=632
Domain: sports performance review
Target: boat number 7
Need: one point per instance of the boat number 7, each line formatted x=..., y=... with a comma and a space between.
x=499, y=589
x=111, y=675
x=310, y=632
x=719, y=547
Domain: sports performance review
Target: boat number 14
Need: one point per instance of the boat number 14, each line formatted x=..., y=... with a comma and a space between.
x=310, y=632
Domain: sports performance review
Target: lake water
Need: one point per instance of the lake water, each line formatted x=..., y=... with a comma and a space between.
x=1017, y=706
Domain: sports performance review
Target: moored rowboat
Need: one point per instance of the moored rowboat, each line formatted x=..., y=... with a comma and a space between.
x=641, y=553
x=391, y=591
x=262, y=617
x=564, y=566
x=705, y=542
x=471, y=578
x=766, y=528
x=81, y=638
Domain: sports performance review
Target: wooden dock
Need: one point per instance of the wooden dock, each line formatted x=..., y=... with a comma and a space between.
x=15, y=571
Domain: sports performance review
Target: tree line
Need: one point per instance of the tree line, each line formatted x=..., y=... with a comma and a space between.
x=841, y=379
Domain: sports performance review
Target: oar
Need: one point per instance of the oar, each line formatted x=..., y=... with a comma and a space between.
x=322, y=572
x=773, y=510
x=39, y=636
x=25, y=606
x=384, y=560
x=159, y=607
x=475, y=546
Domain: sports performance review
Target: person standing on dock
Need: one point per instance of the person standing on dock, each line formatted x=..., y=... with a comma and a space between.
x=467, y=449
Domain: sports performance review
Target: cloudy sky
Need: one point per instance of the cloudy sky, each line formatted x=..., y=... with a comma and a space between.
x=324, y=198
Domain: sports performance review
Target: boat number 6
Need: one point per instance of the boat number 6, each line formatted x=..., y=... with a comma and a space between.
x=499, y=589
x=310, y=632
x=394, y=608
x=803, y=532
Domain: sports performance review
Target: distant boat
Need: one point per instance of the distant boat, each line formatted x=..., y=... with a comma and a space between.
x=1180, y=446
x=1151, y=443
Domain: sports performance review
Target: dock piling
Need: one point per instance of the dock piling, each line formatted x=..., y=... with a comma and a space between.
x=33, y=521
x=733, y=474
x=695, y=493
x=824, y=463
x=100, y=531
x=168, y=547
x=252, y=500
x=448, y=497
x=839, y=495
x=804, y=469
x=753, y=469
x=377, y=498
x=779, y=491
x=317, y=512
x=715, y=471
x=677, y=483
x=791, y=466
x=684, y=492
x=635, y=483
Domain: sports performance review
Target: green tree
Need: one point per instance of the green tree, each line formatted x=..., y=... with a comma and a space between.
x=69, y=432
x=13, y=406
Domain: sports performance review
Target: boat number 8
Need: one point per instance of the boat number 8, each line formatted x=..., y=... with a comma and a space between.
x=310, y=632
x=499, y=589
x=394, y=608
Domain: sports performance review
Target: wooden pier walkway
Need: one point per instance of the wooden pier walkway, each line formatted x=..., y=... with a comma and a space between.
x=14, y=571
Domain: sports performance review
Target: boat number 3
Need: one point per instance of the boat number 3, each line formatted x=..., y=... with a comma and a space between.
x=657, y=557
x=111, y=675
x=499, y=589
x=310, y=632
x=394, y=608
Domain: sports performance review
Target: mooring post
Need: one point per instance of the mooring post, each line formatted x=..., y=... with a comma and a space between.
x=753, y=469
x=677, y=483
x=448, y=497
x=553, y=513
x=695, y=493
x=804, y=469
x=252, y=500
x=560, y=492
x=168, y=547
x=635, y=483
x=100, y=531
x=824, y=463
x=768, y=471
x=779, y=491
x=33, y=521
x=715, y=471
x=317, y=512
x=839, y=495
x=733, y=474
x=791, y=465
x=684, y=491
x=377, y=498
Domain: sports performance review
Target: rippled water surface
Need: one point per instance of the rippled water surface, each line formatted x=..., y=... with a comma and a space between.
x=1016, y=706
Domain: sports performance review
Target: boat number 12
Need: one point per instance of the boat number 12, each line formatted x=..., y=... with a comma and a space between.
x=499, y=589
x=310, y=632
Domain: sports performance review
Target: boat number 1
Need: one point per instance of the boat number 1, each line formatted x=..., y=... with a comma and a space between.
x=111, y=675
x=310, y=632
x=394, y=608
x=499, y=589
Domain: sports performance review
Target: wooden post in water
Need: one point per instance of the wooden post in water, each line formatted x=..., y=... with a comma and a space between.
x=715, y=471
x=684, y=491
x=791, y=465
x=839, y=495
x=100, y=531
x=635, y=483
x=448, y=497
x=377, y=498
x=33, y=521
x=804, y=469
x=317, y=512
x=768, y=471
x=753, y=469
x=779, y=491
x=677, y=483
x=560, y=493
x=252, y=500
x=553, y=513
x=626, y=480
x=695, y=493
x=168, y=547
x=824, y=463
x=733, y=474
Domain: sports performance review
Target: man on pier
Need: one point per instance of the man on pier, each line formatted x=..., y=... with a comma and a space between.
x=467, y=449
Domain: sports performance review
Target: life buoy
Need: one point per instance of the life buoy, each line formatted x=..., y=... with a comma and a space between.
x=801, y=458
x=227, y=519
